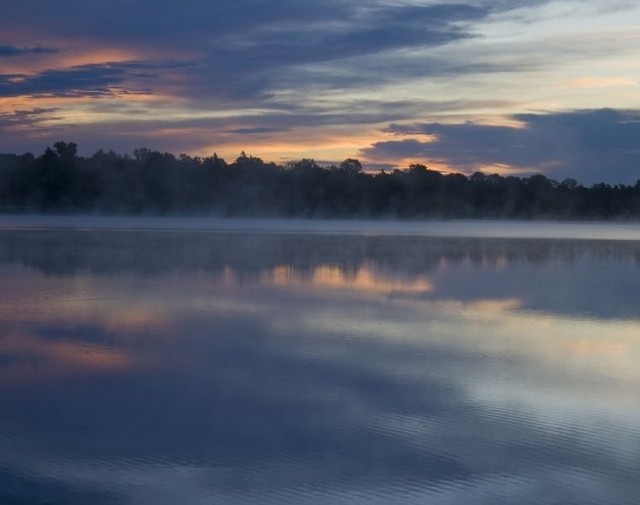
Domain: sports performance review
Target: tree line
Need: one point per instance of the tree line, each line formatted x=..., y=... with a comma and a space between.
x=152, y=182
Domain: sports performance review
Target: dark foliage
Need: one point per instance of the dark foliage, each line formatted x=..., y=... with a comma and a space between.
x=152, y=182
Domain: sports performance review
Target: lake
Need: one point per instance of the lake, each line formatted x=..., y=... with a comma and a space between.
x=169, y=362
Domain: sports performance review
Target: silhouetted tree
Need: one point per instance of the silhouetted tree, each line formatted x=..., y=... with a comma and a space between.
x=350, y=167
x=154, y=182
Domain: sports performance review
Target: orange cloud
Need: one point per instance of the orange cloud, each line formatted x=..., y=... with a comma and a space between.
x=329, y=143
x=38, y=358
x=599, y=82
x=504, y=169
x=77, y=54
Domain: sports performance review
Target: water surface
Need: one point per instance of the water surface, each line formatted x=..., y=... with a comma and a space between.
x=612, y=230
x=153, y=367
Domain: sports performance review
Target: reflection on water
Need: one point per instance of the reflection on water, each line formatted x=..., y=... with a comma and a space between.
x=150, y=367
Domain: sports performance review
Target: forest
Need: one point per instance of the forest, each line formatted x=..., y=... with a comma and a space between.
x=156, y=183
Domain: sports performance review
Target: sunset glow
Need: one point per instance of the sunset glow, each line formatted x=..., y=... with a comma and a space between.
x=434, y=74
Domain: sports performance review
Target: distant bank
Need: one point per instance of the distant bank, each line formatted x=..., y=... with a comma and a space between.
x=154, y=183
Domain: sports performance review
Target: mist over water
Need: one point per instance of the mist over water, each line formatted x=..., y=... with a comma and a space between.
x=247, y=366
x=423, y=228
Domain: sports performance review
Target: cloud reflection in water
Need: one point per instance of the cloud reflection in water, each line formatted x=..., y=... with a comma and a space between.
x=280, y=368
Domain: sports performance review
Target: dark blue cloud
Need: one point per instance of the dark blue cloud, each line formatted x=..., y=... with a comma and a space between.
x=8, y=51
x=204, y=22
x=77, y=81
x=84, y=80
x=244, y=50
x=590, y=145
x=140, y=20
x=382, y=30
x=260, y=58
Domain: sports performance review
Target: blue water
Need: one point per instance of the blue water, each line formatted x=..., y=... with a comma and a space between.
x=234, y=367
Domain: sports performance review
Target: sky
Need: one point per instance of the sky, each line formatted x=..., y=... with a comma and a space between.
x=513, y=87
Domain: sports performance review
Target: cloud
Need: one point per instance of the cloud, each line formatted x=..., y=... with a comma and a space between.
x=589, y=145
x=284, y=66
x=246, y=52
x=229, y=21
x=243, y=50
x=9, y=51
x=83, y=80
x=27, y=118
x=256, y=130
x=299, y=390
x=330, y=49
x=379, y=30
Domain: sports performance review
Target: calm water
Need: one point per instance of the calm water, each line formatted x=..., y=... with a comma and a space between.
x=154, y=367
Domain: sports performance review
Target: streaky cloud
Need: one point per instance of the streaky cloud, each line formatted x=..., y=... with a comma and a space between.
x=8, y=51
x=92, y=80
x=26, y=118
x=258, y=129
